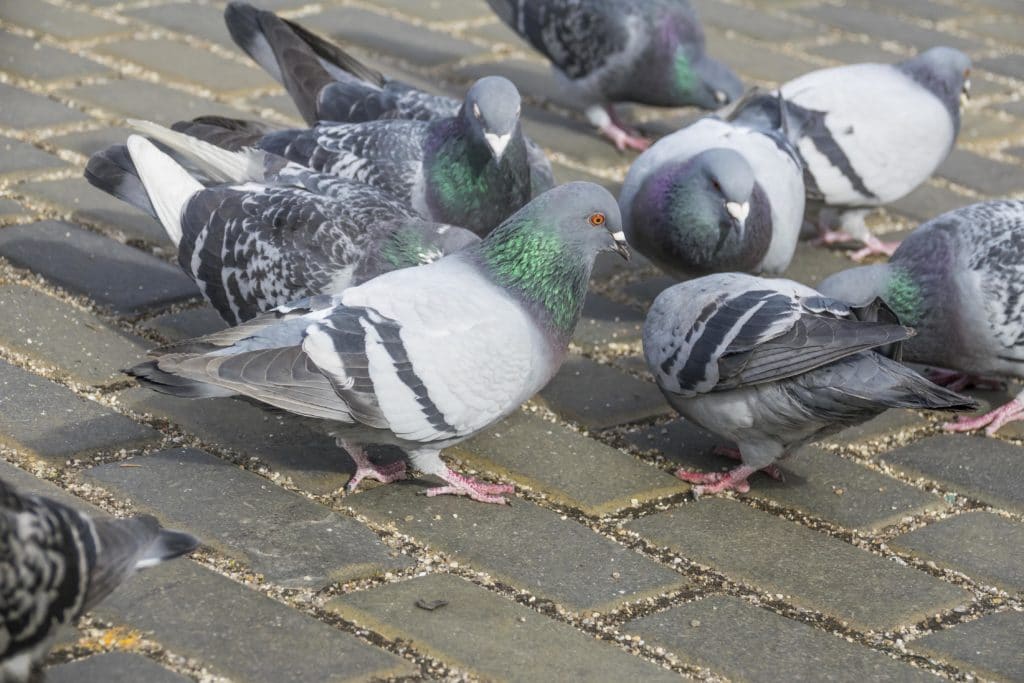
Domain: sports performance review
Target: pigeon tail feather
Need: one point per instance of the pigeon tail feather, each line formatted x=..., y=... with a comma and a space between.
x=112, y=171
x=218, y=164
x=302, y=73
x=168, y=184
x=150, y=374
x=231, y=134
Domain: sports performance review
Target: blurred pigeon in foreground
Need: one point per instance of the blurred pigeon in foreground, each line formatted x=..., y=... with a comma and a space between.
x=607, y=51
x=871, y=134
x=273, y=231
x=958, y=279
x=716, y=196
x=328, y=84
x=421, y=358
x=772, y=365
x=58, y=563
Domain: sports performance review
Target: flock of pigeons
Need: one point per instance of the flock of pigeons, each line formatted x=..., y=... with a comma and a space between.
x=406, y=268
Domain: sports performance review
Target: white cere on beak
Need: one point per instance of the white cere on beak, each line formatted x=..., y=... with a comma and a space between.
x=721, y=97
x=497, y=143
x=737, y=210
x=619, y=236
x=965, y=93
x=476, y=110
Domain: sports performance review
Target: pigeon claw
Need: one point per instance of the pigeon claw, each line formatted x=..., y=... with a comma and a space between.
x=623, y=140
x=382, y=473
x=874, y=247
x=716, y=482
x=462, y=485
x=772, y=471
x=992, y=421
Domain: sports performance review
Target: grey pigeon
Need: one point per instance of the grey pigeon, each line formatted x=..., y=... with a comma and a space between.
x=715, y=196
x=421, y=358
x=959, y=280
x=272, y=232
x=328, y=84
x=470, y=170
x=608, y=51
x=772, y=365
x=872, y=133
x=57, y=563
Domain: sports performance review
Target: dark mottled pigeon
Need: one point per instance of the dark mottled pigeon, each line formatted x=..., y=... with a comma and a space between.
x=772, y=365
x=266, y=231
x=421, y=358
x=959, y=281
x=328, y=84
x=872, y=133
x=57, y=563
x=607, y=51
x=716, y=196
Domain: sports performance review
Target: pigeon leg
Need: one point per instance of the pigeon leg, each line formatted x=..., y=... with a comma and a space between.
x=715, y=482
x=958, y=381
x=874, y=246
x=604, y=120
x=365, y=469
x=1012, y=411
x=734, y=453
x=462, y=485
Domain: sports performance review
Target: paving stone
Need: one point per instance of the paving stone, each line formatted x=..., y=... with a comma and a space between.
x=183, y=62
x=438, y=10
x=381, y=33
x=63, y=22
x=1008, y=65
x=187, y=324
x=990, y=646
x=598, y=396
x=110, y=273
x=979, y=467
x=928, y=201
x=754, y=22
x=811, y=264
x=889, y=423
x=813, y=570
x=20, y=158
x=1002, y=29
x=28, y=483
x=286, y=443
x=143, y=100
x=279, y=104
x=570, y=468
x=755, y=62
x=645, y=291
x=683, y=442
x=747, y=643
x=89, y=142
x=291, y=540
x=203, y=21
x=990, y=177
x=885, y=27
x=606, y=322
x=11, y=209
x=1015, y=108
x=113, y=667
x=496, y=32
x=488, y=635
x=853, y=52
x=83, y=203
x=988, y=127
x=571, y=137
x=240, y=634
x=80, y=344
x=54, y=424
x=32, y=60
x=920, y=9
x=22, y=109
x=523, y=545
x=984, y=546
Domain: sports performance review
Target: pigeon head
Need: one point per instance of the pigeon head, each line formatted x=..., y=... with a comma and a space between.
x=491, y=112
x=704, y=82
x=702, y=215
x=945, y=72
x=544, y=252
x=895, y=285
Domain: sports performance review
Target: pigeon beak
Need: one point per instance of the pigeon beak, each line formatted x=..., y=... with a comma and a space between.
x=497, y=143
x=721, y=97
x=738, y=211
x=620, y=247
x=965, y=93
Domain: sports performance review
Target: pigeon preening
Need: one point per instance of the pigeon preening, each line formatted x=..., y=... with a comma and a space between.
x=772, y=365
x=716, y=196
x=871, y=134
x=958, y=280
x=328, y=84
x=58, y=563
x=270, y=231
x=421, y=358
x=471, y=169
x=608, y=51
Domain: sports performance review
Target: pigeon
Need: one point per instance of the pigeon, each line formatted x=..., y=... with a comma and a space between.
x=871, y=134
x=607, y=51
x=716, y=196
x=772, y=365
x=328, y=84
x=420, y=358
x=272, y=231
x=469, y=170
x=959, y=281
x=58, y=563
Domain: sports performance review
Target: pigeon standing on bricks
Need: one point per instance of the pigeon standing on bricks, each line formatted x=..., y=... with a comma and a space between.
x=959, y=281
x=608, y=51
x=58, y=563
x=421, y=358
x=772, y=365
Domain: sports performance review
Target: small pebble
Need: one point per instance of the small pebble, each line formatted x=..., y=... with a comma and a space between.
x=695, y=622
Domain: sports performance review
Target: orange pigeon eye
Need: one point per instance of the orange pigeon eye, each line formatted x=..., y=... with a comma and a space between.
x=597, y=219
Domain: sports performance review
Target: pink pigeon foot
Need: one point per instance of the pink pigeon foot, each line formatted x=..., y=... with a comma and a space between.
x=1010, y=412
x=622, y=139
x=367, y=470
x=874, y=246
x=734, y=453
x=714, y=482
x=958, y=381
x=462, y=485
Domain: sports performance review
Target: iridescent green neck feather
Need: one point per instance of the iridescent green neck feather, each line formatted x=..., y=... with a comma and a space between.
x=682, y=70
x=406, y=248
x=903, y=295
x=541, y=268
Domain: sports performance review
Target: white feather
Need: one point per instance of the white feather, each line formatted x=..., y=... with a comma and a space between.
x=168, y=185
x=218, y=164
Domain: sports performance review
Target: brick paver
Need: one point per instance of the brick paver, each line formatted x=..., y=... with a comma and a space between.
x=902, y=581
